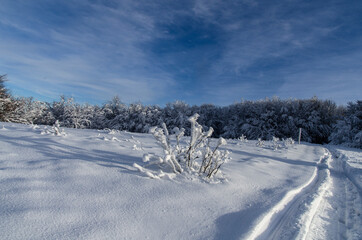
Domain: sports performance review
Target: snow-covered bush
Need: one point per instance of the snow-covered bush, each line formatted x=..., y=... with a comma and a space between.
x=276, y=144
x=196, y=157
x=198, y=138
x=213, y=159
x=170, y=154
x=55, y=130
x=288, y=142
x=243, y=138
x=260, y=143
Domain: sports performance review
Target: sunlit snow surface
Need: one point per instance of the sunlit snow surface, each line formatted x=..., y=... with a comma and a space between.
x=82, y=185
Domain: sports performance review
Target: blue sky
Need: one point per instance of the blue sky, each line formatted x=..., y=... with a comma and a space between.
x=199, y=51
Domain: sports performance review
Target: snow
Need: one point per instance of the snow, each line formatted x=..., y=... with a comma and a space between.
x=89, y=184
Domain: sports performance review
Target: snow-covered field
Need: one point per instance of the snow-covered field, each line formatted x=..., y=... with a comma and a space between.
x=83, y=186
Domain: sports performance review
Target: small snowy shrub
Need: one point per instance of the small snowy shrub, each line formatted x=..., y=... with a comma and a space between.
x=288, y=142
x=113, y=131
x=276, y=144
x=243, y=138
x=55, y=130
x=34, y=126
x=197, y=157
x=198, y=138
x=260, y=143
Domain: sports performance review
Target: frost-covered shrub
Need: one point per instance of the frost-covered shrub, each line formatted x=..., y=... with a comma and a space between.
x=170, y=153
x=243, y=138
x=213, y=159
x=196, y=157
x=55, y=130
x=276, y=144
x=198, y=138
x=288, y=142
x=260, y=143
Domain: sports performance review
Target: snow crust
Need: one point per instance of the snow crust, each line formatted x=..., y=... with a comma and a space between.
x=87, y=184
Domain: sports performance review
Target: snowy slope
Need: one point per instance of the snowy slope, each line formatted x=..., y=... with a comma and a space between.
x=83, y=186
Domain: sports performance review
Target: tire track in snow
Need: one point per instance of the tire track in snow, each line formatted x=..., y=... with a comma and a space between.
x=326, y=207
x=307, y=219
x=283, y=220
x=340, y=217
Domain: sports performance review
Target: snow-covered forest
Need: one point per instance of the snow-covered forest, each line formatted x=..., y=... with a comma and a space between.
x=322, y=121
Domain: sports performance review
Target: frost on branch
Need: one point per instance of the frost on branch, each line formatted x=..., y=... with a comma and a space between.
x=213, y=159
x=163, y=139
x=196, y=157
x=198, y=138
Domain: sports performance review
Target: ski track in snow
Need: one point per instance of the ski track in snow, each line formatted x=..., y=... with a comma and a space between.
x=328, y=206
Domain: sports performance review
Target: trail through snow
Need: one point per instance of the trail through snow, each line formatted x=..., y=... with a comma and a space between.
x=328, y=206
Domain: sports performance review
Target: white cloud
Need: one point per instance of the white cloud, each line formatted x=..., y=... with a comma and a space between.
x=99, y=55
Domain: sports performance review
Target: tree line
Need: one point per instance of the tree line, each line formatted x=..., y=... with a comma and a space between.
x=322, y=121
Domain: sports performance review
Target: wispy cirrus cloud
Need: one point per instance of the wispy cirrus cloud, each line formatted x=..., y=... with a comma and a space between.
x=276, y=51
x=84, y=55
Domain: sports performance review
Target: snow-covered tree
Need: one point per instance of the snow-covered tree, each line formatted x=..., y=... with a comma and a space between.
x=28, y=111
x=7, y=103
x=348, y=130
x=115, y=113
